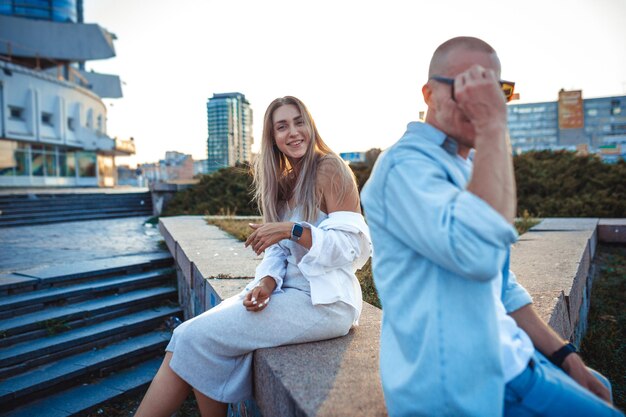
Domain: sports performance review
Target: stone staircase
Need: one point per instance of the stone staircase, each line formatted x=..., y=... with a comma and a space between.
x=42, y=208
x=75, y=336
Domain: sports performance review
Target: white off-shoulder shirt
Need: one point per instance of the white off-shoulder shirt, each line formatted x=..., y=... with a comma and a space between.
x=341, y=245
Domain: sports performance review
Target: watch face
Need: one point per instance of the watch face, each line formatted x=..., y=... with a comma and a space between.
x=297, y=230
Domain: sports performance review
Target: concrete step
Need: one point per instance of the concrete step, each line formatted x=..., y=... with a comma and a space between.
x=10, y=212
x=75, y=369
x=20, y=357
x=58, y=318
x=29, y=209
x=84, y=398
x=55, y=275
x=6, y=199
x=41, y=198
x=14, y=211
x=11, y=305
x=61, y=219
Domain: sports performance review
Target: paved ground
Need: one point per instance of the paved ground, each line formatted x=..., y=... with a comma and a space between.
x=61, y=243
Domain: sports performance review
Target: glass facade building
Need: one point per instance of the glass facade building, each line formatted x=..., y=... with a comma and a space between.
x=52, y=123
x=229, y=118
x=600, y=126
x=53, y=10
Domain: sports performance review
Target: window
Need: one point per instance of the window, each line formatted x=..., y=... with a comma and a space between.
x=16, y=113
x=38, y=160
x=99, y=124
x=46, y=119
x=615, y=107
x=86, y=164
x=71, y=124
x=592, y=112
x=71, y=164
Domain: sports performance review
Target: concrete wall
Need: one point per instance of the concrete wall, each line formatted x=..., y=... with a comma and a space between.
x=340, y=377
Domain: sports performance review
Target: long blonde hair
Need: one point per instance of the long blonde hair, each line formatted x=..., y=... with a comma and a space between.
x=273, y=172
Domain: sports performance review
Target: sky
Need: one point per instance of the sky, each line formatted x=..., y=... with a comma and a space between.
x=358, y=65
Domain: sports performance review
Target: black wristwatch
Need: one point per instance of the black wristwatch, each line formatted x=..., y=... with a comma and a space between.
x=296, y=232
x=559, y=356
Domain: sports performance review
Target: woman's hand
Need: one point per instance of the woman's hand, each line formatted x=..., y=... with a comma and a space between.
x=257, y=299
x=265, y=235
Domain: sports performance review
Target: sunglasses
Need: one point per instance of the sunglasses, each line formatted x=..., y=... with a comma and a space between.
x=508, y=87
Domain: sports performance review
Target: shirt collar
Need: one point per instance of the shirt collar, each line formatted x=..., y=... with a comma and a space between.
x=435, y=136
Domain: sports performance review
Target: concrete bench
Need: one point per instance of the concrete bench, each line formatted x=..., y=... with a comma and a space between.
x=337, y=377
x=554, y=262
x=340, y=377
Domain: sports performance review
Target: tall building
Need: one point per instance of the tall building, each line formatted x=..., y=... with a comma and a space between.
x=230, y=139
x=52, y=118
x=571, y=122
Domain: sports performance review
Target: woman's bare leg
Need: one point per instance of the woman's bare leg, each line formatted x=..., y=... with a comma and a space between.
x=209, y=407
x=166, y=393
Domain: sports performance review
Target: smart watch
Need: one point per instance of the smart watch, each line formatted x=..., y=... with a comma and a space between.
x=296, y=232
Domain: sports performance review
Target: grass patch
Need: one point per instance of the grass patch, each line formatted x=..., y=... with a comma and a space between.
x=162, y=245
x=238, y=228
x=154, y=220
x=604, y=344
x=524, y=223
x=55, y=326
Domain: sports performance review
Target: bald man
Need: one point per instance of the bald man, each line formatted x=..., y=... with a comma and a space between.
x=459, y=334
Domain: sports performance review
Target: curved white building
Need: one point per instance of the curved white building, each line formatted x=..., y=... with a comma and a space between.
x=52, y=117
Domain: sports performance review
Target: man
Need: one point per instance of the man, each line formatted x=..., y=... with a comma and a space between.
x=459, y=335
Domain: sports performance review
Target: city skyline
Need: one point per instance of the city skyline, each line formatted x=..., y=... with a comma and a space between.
x=359, y=66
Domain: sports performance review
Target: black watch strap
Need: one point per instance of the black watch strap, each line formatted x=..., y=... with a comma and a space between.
x=559, y=356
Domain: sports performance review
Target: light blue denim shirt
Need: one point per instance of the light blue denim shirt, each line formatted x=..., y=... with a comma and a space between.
x=437, y=248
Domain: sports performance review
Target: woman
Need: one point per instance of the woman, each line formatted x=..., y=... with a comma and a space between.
x=314, y=238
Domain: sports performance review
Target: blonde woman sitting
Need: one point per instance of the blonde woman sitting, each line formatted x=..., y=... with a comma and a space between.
x=314, y=238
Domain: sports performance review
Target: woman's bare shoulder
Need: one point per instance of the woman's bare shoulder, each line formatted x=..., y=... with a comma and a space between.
x=337, y=185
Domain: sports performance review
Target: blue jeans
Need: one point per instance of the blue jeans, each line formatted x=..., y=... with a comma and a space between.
x=543, y=389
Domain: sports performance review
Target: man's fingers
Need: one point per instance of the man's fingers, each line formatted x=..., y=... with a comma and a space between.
x=601, y=391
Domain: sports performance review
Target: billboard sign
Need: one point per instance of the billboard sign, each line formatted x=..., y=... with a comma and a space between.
x=571, y=115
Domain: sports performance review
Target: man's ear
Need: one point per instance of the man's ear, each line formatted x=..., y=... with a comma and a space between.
x=427, y=92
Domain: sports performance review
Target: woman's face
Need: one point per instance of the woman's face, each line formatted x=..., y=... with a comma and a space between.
x=290, y=132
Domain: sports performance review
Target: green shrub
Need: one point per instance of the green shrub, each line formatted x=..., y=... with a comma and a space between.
x=563, y=184
x=549, y=184
x=227, y=191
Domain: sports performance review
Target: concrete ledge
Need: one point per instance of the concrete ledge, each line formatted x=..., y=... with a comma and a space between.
x=553, y=261
x=212, y=264
x=612, y=230
x=337, y=377
x=340, y=377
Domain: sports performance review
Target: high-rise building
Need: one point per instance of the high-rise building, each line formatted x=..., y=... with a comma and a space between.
x=571, y=122
x=230, y=139
x=52, y=118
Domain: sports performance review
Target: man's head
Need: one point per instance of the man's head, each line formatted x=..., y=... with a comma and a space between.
x=450, y=59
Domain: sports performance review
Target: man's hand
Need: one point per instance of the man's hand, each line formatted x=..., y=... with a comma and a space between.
x=265, y=235
x=258, y=298
x=477, y=92
x=547, y=342
x=574, y=367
